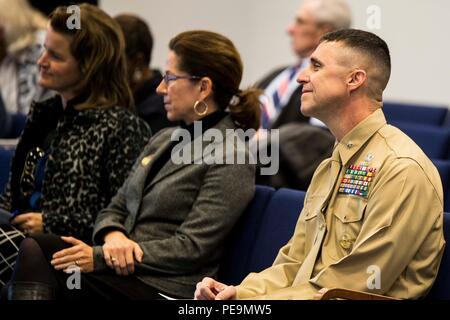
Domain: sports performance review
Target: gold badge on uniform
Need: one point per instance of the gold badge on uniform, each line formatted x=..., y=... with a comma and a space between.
x=358, y=178
x=146, y=160
x=346, y=242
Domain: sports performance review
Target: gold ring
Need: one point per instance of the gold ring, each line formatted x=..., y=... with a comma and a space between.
x=113, y=259
x=76, y=262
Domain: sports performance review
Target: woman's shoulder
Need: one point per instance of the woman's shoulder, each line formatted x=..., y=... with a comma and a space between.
x=50, y=105
x=117, y=121
x=115, y=116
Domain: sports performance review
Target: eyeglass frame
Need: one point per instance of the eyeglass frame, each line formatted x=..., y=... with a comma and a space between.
x=167, y=78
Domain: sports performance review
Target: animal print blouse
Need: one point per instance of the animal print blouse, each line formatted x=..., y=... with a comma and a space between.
x=90, y=154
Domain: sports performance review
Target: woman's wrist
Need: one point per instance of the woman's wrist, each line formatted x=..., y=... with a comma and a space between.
x=113, y=234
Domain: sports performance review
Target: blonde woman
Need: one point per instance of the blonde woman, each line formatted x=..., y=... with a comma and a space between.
x=22, y=31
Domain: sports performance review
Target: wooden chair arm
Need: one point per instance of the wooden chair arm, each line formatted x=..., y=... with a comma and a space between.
x=346, y=294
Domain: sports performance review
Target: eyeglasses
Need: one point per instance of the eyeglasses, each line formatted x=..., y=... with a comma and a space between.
x=171, y=77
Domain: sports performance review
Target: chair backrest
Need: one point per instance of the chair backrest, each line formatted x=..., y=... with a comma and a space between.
x=5, y=120
x=277, y=227
x=6, y=154
x=441, y=287
x=443, y=167
x=18, y=121
x=413, y=113
x=434, y=141
x=267, y=225
x=241, y=241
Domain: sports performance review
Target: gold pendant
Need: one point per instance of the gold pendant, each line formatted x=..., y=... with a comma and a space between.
x=346, y=242
x=146, y=160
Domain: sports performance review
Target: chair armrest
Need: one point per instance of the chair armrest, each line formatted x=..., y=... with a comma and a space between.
x=346, y=294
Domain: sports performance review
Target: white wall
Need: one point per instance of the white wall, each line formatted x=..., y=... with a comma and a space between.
x=417, y=32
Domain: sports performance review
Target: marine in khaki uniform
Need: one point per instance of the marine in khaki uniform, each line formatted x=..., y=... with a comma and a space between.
x=373, y=214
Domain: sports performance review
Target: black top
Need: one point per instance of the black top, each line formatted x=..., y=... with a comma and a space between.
x=90, y=155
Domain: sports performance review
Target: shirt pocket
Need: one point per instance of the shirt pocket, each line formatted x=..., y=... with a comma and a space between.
x=348, y=217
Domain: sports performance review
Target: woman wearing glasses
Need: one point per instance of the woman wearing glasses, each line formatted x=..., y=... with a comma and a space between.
x=166, y=227
x=78, y=147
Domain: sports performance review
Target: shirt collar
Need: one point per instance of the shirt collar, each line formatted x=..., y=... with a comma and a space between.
x=359, y=135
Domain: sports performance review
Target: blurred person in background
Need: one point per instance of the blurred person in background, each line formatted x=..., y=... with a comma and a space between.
x=143, y=81
x=78, y=147
x=22, y=32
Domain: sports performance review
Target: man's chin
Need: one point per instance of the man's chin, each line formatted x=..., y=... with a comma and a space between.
x=306, y=111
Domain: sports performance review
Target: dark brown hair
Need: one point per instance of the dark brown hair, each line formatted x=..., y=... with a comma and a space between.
x=99, y=48
x=208, y=54
x=139, y=37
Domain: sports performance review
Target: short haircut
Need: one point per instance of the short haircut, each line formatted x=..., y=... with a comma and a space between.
x=370, y=46
x=138, y=38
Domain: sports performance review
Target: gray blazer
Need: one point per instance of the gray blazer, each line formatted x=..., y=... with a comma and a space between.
x=182, y=218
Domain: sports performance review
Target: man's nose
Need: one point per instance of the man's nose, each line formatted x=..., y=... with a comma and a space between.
x=303, y=76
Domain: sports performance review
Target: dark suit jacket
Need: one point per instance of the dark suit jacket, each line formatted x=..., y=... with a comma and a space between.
x=182, y=218
x=302, y=146
x=291, y=112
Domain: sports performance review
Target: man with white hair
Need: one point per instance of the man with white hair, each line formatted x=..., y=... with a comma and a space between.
x=282, y=92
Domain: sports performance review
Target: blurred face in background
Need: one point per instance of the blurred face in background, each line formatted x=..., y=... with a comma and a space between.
x=305, y=32
x=59, y=69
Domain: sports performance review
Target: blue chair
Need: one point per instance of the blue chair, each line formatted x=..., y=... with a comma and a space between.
x=5, y=120
x=18, y=121
x=443, y=167
x=265, y=227
x=418, y=114
x=277, y=227
x=434, y=141
x=6, y=154
x=242, y=239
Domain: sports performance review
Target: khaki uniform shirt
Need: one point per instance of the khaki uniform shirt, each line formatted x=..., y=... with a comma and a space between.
x=372, y=221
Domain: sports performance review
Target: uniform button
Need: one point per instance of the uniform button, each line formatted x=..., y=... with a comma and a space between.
x=345, y=217
x=321, y=226
x=350, y=145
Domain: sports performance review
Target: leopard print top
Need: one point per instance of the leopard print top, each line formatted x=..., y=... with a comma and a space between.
x=92, y=152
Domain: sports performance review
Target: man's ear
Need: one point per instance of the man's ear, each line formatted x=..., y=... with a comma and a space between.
x=356, y=79
x=325, y=28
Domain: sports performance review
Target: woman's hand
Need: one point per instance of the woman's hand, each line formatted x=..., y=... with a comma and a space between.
x=80, y=255
x=29, y=223
x=120, y=252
